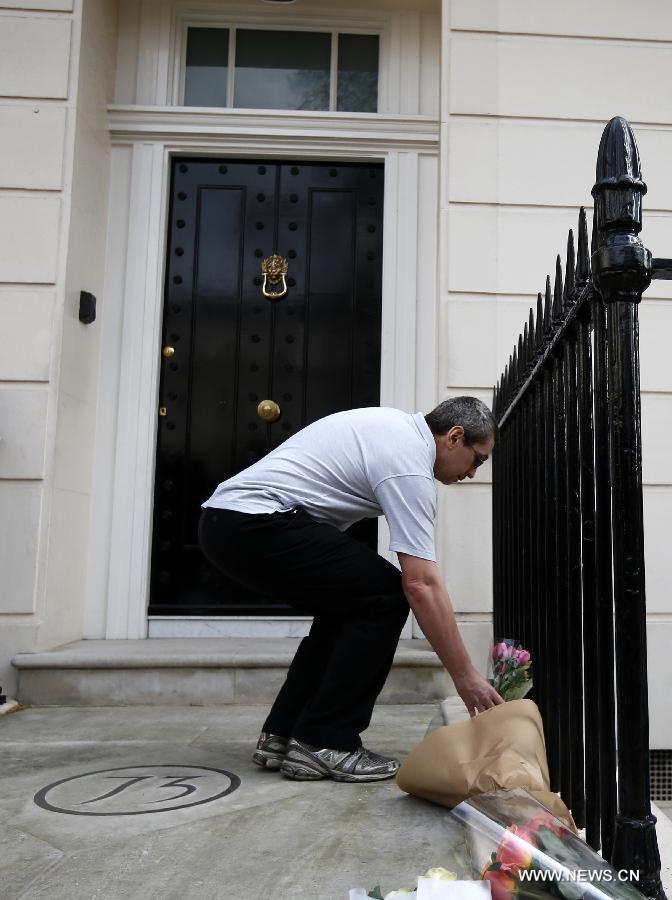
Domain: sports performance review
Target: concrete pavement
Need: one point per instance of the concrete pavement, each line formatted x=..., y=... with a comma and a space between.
x=265, y=836
x=164, y=803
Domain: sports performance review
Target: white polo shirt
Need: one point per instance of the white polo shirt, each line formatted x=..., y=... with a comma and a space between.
x=346, y=467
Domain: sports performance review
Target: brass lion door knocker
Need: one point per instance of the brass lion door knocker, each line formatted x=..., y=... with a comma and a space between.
x=274, y=269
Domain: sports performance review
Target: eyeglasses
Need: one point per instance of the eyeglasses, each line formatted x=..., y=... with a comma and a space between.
x=479, y=458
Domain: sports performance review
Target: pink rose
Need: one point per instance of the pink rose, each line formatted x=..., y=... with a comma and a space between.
x=500, y=651
x=515, y=848
x=524, y=657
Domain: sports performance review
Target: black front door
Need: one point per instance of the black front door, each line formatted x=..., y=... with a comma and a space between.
x=227, y=347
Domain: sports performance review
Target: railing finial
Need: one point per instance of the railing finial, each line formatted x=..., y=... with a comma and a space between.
x=619, y=255
x=547, y=307
x=557, y=293
x=618, y=187
x=583, y=258
x=570, y=269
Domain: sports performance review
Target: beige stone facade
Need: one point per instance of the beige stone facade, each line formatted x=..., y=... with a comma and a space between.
x=56, y=77
x=489, y=120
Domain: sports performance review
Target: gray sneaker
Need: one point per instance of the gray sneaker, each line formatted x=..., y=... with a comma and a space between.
x=305, y=763
x=270, y=750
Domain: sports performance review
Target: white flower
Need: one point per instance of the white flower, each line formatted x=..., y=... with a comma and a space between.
x=441, y=874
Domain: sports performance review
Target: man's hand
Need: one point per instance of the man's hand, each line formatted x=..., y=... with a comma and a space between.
x=475, y=692
x=429, y=600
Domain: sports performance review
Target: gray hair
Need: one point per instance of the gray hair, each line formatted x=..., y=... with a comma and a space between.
x=471, y=413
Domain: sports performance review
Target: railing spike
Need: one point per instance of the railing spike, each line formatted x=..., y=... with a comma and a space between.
x=547, y=306
x=570, y=270
x=539, y=337
x=526, y=354
x=557, y=291
x=530, y=336
x=583, y=258
x=514, y=371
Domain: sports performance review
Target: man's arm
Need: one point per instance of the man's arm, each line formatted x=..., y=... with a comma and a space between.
x=429, y=600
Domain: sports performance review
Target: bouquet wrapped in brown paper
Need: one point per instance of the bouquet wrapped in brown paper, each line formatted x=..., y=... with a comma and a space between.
x=501, y=748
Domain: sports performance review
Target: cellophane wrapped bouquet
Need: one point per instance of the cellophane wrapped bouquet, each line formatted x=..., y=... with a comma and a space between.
x=513, y=848
x=517, y=845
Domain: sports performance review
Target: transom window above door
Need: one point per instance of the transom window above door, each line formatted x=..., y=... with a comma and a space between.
x=247, y=68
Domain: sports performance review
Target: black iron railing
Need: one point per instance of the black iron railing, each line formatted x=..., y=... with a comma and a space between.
x=568, y=540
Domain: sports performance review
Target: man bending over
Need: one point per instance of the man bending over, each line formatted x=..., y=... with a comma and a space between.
x=277, y=529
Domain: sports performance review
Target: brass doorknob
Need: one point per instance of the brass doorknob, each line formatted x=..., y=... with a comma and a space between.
x=168, y=351
x=268, y=410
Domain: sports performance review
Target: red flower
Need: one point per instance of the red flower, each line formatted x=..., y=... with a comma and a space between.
x=502, y=881
x=544, y=820
x=515, y=849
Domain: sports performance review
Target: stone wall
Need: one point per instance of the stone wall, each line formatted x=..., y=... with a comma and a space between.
x=53, y=201
x=526, y=90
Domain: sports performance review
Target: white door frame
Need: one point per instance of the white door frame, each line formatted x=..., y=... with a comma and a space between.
x=144, y=140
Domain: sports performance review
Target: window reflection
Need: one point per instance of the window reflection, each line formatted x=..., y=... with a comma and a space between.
x=357, y=73
x=206, y=74
x=282, y=69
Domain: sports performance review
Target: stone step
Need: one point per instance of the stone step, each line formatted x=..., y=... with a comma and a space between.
x=197, y=671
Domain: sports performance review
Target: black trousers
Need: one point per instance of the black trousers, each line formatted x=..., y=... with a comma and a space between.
x=357, y=602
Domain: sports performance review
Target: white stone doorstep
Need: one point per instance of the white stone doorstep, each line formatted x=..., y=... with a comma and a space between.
x=190, y=652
